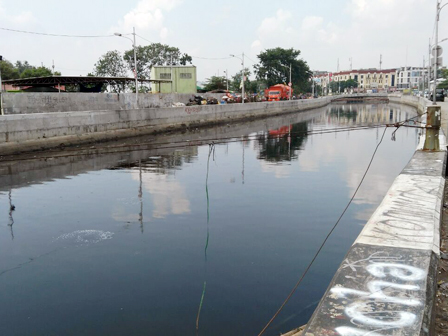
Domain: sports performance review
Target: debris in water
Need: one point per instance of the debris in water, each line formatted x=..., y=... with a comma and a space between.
x=86, y=236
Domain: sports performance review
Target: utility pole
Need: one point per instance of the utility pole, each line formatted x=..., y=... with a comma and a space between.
x=227, y=80
x=171, y=72
x=436, y=54
x=290, y=82
x=351, y=63
x=429, y=66
x=242, y=98
x=381, y=61
x=135, y=71
x=312, y=85
x=1, y=89
x=339, y=80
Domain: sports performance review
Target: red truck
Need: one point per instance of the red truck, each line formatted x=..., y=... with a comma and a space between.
x=278, y=92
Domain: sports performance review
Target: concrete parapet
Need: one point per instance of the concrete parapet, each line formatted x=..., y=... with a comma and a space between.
x=386, y=284
x=45, y=130
x=45, y=102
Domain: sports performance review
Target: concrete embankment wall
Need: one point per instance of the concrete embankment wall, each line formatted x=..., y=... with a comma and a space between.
x=386, y=285
x=45, y=102
x=45, y=130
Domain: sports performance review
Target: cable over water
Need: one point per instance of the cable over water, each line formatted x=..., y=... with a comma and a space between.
x=211, y=150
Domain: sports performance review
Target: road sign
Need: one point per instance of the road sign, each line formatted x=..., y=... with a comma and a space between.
x=439, y=61
x=437, y=50
x=290, y=84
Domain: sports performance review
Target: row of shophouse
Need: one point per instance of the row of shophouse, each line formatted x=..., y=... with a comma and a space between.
x=375, y=79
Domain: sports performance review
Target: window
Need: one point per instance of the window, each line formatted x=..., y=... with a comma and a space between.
x=185, y=75
x=165, y=75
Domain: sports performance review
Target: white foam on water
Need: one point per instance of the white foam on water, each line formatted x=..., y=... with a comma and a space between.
x=86, y=236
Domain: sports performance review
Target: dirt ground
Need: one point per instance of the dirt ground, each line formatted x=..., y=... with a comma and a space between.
x=442, y=279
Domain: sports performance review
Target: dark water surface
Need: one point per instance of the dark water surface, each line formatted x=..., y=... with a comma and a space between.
x=129, y=238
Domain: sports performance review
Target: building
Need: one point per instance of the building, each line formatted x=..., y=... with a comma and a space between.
x=370, y=79
x=179, y=79
x=411, y=77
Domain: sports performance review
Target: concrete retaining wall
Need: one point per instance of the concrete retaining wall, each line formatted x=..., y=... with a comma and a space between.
x=39, y=102
x=45, y=130
x=387, y=283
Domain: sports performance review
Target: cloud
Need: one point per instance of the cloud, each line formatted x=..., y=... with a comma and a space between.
x=168, y=195
x=22, y=18
x=312, y=22
x=18, y=19
x=280, y=170
x=148, y=16
x=274, y=30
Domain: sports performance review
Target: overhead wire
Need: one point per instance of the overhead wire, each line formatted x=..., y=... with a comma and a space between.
x=54, y=35
x=173, y=144
x=206, y=58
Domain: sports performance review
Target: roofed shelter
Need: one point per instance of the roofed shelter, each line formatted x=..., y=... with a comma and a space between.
x=84, y=83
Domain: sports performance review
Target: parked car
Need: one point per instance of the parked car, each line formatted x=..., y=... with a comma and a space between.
x=440, y=95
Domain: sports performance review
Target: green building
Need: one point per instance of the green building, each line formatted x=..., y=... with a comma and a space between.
x=183, y=79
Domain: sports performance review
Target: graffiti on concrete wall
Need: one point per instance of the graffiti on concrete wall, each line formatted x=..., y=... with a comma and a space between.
x=387, y=301
x=192, y=109
x=47, y=101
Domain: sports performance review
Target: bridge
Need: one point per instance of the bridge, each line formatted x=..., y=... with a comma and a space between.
x=362, y=98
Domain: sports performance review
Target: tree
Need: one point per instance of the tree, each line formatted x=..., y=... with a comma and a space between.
x=444, y=84
x=8, y=71
x=350, y=83
x=36, y=72
x=154, y=54
x=21, y=67
x=111, y=64
x=274, y=68
x=215, y=83
x=235, y=83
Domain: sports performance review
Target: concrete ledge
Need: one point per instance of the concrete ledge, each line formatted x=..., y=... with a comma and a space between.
x=25, y=132
x=379, y=291
x=387, y=283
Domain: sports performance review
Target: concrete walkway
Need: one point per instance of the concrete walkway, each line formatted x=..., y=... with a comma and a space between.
x=444, y=106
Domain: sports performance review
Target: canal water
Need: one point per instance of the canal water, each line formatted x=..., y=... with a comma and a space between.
x=197, y=233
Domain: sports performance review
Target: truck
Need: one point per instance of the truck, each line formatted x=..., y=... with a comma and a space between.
x=278, y=92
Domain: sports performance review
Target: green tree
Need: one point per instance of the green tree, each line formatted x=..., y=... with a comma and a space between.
x=444, y=84
x=36, y=72
x=22, y=66
x=348, y=84
x=235, y=83
x=8, y=71
x=154, y=54
x=215, y=83
x=274, y=68
x=111, y=64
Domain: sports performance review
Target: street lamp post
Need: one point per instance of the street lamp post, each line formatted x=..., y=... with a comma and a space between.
x=227, y=80
x=290, y=82
x=436, y=50
x=135, y=64
x=1, y=89
x=242, y=75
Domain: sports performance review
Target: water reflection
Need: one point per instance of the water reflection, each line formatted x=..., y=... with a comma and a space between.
x=12, y=207
x=282, y=144
x=148, y=194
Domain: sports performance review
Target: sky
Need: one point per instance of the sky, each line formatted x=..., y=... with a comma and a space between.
x=323, y=30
